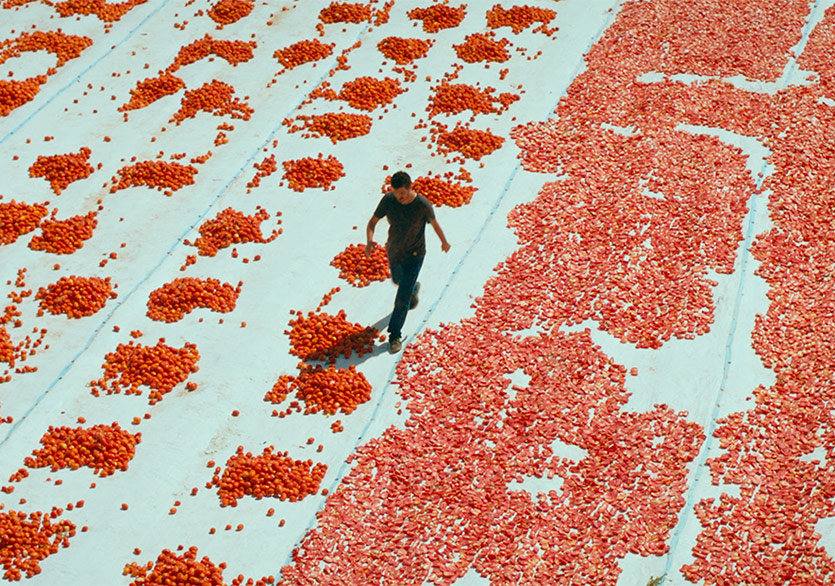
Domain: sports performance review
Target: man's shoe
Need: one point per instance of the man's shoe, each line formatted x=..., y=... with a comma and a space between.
x=394, y=345
x=414, y=301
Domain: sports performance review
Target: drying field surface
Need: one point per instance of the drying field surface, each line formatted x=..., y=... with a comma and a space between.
x=621, y=373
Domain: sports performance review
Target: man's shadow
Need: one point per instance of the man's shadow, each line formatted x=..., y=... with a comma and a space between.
x=340, y=361
x=380, y=347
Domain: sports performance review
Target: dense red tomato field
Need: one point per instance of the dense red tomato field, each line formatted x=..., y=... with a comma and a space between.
x=621, y=372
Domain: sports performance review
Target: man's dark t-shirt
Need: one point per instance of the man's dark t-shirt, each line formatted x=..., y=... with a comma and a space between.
x=406, y=226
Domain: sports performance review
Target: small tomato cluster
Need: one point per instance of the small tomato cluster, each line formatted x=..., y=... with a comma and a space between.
x=18, y=218
x=160, y=367
x=171, y=568
x=443, y=192
x=166, y=176
x=328, y=389
x=215, y=97
x=521, y=17
x=233, y=52
x=360, y=270
x=470, y=142
x=310, y=172
x=105, y=448
x=404, y=51
x=481, y=47
x=263, y=169
x=353, y=12
x=336, y=126
x=151, y=89
x=230, y=11
x=439, y=16
x=75, y=296
x=174, y=300
x=303, y=52
x=269, y=474
x=64, y=236
x=40, y=533
x=322, y=336
x=232, y=227
x=62, y=170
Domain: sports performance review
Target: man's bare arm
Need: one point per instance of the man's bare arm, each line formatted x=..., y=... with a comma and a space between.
x=369, y=235
x=437, y=227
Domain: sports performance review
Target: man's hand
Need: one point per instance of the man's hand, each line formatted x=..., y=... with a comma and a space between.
x=445, y=246
x=369, y=248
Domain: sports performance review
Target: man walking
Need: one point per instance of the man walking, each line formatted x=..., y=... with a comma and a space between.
x=408, y=213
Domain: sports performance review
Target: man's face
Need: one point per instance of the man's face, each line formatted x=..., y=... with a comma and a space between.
x=403, y=194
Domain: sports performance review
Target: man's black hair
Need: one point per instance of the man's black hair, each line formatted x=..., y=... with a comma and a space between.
x=401, y=179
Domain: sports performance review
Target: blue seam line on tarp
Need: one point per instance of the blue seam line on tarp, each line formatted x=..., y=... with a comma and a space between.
x=86, y=69
x=338, y=478
x=214, y=200
x=701, y=463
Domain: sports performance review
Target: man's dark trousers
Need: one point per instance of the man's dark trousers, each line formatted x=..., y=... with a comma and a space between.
x=404, y=274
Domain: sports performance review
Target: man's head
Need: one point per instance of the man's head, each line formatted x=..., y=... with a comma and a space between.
x=401, y=185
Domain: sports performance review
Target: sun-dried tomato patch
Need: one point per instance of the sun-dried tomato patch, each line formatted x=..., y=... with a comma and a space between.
x=12, y=352
x=104, y=11
x=521, y=17
x=454, y=98
x=817, y=54
x=30, y=539
x=481, y=47
x=439, y=16
x=360, y=270
x=233, y=52
x=215, y=97
x=658, y=287
x=62, y=170
x=312, y=172
x=161, y=175
x=767, y=450
x=332, y=390
x=404, y=51
x=263, y=169
x=470, y=142
x=174, y=300
x=75, y=296
x=7, y=349
x=176, y=569
x=336, y=126
x=761, y=37
x=322, y=336
x=64, y=236
x=231, y=227
x=365, y=93
x=151, y=89
x=18, y=218
x=105, y=448
x=273, y=475
x=280, y=389
x=14, y=93
x=64, y=47
x=303, y=52
x=160, y=368
x=353, y=12
x=230, y=11
x=485, y=438
x=441, y=191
